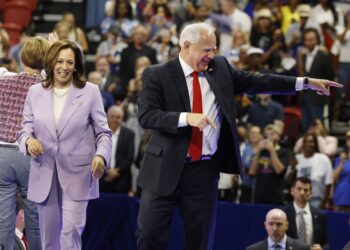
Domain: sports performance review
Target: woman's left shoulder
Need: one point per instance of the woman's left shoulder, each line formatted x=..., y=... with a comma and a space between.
x=90, y=86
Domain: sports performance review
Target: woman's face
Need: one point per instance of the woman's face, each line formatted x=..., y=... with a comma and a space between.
x=64, y=67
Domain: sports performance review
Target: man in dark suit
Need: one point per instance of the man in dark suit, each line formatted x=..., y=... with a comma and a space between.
x=189, y=105
x=117, y=179
x=136, y=49
x=276, y=225
x=316, y=63
x=314, y=231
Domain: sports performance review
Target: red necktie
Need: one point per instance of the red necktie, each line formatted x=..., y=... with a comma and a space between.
x=25, y=241
x=195, y=150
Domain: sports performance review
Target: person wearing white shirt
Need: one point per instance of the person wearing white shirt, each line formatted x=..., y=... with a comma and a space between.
x=306, y=223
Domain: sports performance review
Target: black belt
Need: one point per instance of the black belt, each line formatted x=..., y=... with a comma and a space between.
x=8, y=146
x=202, y=158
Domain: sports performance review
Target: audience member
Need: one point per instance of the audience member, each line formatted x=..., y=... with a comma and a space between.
x=265, y=112
x=110, y=83
x=15, y=50
x=14, y=167
x=107, y=98
x=317, y=167
x=269, y=166
x=315, y=62
x=306, y=223
x=124, y=19
x=327, y=144
x=289, y=14
x=112, y=48
x=231, y=20
x=255, y=60
x=163, y=44
x=251, y=148
x=276, y=225
x=75, y=34
x=341, y=175
x=117, y=178
x=136, y=48
x=262, y=31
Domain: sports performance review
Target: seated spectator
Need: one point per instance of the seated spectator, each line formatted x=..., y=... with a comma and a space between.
x=117, y=178
x=327, y=144
x=276, y=225
x=306, y=223
x=268, y=166
x=107, y=98
x=266, y=111
x=250, y=149
x=112, y=48
x=317, y=167
x=341, y=175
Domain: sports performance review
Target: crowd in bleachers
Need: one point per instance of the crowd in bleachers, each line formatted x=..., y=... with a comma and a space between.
x=297, y=38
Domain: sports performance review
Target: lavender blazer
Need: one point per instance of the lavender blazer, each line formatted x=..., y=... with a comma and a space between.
x=81, y=134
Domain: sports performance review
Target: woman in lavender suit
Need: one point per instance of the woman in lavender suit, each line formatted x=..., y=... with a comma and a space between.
x=65, y=131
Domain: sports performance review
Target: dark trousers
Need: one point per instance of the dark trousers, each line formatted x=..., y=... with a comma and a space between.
x=196, y=198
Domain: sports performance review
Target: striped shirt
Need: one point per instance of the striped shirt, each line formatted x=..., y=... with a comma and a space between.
x=13, y=91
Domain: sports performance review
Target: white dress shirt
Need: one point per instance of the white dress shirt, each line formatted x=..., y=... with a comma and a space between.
x=282, y=243
x=310, y=56
x=115, y=138
x=308, y=221
x=210, y=108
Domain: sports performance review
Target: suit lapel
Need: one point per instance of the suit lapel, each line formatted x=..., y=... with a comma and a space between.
x=213, y=81
x=47, y=105
x=180, y=83
x=72, y=103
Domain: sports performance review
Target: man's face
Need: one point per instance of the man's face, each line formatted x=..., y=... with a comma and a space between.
x=115, y=119
x=201, y=53
x=102, y=66
x=301, y=192
x=276, y=227
x=310, y=40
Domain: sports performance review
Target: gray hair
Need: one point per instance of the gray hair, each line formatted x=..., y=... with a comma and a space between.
x=193, y=32
x=115, y=109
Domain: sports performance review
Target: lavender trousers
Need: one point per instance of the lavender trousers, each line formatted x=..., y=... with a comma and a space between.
x=61, y=219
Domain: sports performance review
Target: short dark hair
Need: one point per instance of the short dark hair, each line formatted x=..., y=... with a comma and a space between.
x=302, y=179
x=313, y=30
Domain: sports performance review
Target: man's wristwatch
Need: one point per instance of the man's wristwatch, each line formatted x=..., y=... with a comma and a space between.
x=306, y=83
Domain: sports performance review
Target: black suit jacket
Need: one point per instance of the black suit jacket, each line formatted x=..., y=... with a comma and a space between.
x=319, y=224
x=124, y=159
x=128, y=59
x=322, y=68
x=165, y=95
x=17, y=245
x=291, y=244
